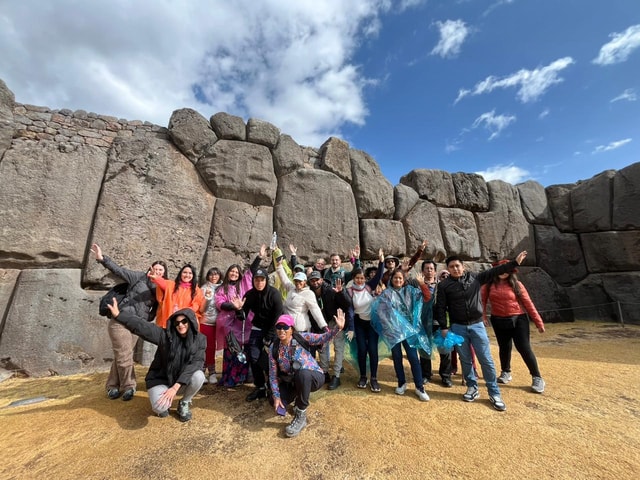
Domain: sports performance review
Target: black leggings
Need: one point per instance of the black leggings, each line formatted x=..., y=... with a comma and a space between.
x=516, y=332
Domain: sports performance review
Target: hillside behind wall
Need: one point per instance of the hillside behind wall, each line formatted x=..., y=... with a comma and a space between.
x=210, y=192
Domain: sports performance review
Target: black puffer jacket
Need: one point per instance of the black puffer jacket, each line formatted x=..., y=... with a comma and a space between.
x=177, y=358
x=266, y=306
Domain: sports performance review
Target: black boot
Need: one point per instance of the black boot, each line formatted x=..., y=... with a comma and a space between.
x=260, y=392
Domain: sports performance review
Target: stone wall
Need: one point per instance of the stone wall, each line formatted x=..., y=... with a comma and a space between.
x=210, y=192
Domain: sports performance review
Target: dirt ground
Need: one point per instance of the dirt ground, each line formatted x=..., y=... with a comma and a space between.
x=585, y=425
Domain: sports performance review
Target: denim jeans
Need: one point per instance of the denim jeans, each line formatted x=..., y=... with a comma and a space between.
x=476, y=335
x=414, y=361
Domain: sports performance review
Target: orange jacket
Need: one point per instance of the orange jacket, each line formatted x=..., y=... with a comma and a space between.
x=504, y=302
x=171, y=301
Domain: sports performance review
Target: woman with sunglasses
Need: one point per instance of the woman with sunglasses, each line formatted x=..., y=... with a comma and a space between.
x=179, y=360
x=293, y=371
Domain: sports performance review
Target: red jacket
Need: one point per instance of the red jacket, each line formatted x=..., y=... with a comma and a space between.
x=504, y=302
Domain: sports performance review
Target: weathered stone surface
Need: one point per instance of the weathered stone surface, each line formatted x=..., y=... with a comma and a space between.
x=47, y=199
x=589, y=300
x=316, y=219
x=8, y=280
x=560, y=255
x=422, y=223
x=503, y=231
x=61, y=323
x=154, y=206
x=288, y=156
x=559, y=200
x=262, y=133
x=624, y=288
x=459, y=233
x=591, y=203
x=240, y=228
x=228, y=127
x=611, y=251
x=7, y=101
x=335, y=158
x=433, y=185
x=471, y=191
x=191, y=133
x=534, y=203
x=240, y=171
x=548, y=297
x=372, y=191
x=404, y=198
x=626, y=198
x=381, y=233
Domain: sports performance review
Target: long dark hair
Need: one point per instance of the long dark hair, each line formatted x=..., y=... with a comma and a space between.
x=194, y=283
x=225, y=280
x=512, y=279
x=179, y=348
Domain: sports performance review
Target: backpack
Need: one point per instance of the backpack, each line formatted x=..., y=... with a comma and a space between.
x=118, y=292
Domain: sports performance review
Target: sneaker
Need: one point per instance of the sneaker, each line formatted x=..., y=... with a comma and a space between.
x=164, y=414
x=498, y=404
x=257, y=393
x=184, y=413
x=446, y=382
x=128, y=394
x=362, y=383
x=375, y=387
x=505, y=377
x=471, y=394
x=334, y=383
x=297, y=424
x=213, y=379
x=538, y=385
x=401, y=389
x=113, y=393
x=422, y=395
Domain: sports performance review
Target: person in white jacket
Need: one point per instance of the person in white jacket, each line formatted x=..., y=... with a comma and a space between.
x=301, y=302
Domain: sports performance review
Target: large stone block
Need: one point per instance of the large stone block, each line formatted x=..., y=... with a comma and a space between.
x=7, y=128
x=191, y=133
x=626, y=198
x=559, y=200
x=551, y=300
x=153, y=206
x=534, y=203
x=611, y=251
x=560, y=255
x=590, y=301
x=240, y=171
x=471, y=191
x=404, y=198
x=334, y=154
x=624, y=288
x=591, y=203
x=372, y=191
x=503, y=231
x=262, y=133
x=48, y=197
x=8, y=280
x=228, y=127
x=381, y=233
x=422, y=223
x=315, y=211
x=288, y=156
x=53, y=326
x=459, y=233
x=435, y=186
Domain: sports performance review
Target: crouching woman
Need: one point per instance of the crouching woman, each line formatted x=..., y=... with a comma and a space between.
x=293, y=372
x=178, y=362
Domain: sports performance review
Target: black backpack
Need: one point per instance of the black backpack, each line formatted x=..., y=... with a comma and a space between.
x=118, y=292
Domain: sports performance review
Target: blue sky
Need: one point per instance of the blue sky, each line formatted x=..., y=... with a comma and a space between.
x=513, y=89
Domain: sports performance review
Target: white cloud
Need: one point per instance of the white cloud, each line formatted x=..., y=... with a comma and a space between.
x=544, y=113
x=452, y=36
x=531, y=84
x=406, y=4
x=494, y=123
x=287, y=62
x=629, y=95
x=619, y=47
x=611, y=146
x=507, y=173
x=497, y=4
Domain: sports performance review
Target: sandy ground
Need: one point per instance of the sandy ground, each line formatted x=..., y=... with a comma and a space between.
x=586, y=425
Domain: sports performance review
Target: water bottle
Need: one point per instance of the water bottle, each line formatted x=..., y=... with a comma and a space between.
x=274, y=241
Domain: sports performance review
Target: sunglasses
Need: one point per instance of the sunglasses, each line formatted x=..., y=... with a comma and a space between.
x=184, y=321
x=283, y=327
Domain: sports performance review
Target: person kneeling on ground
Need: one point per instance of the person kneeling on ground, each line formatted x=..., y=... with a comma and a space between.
x=177, y=367
x=293, y=372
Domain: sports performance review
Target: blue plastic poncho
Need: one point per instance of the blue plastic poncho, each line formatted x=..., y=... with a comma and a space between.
x=446, y=344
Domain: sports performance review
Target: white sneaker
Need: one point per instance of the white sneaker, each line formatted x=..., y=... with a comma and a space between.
x=423, y=396
x=505, y=377
x=538, y=385
x=213, y=379
x=401, y=389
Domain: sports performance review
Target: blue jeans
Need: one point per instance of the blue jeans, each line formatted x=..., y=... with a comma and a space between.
x=414, y=361
x=476, y=335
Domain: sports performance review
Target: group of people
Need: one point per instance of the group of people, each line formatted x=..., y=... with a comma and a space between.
x=276, y=323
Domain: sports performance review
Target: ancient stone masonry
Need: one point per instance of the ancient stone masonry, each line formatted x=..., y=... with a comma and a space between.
x=210, y=192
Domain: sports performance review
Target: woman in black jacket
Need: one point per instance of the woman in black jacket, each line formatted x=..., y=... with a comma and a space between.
x=177, y=367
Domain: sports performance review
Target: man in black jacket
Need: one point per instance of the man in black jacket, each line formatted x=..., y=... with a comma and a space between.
x=265, y=302
x=459, y=296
